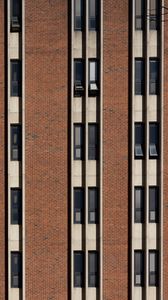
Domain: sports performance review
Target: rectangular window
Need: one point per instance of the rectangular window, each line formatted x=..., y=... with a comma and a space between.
x=139, y=76
x=78, y=77
x=78, y=15
x=153, y=140
x=93, y=14
x=154, y=19
x=153, y=76
x=93, y=213
x=78, y=205
x=78, y=141
x=139, y=14
x=16, y=15
x=78, y=269
x=139, y=140
x=93, y=147
x=16, y=206
x=139, y=204
x=138, y=267
x=93, y=77
x=153, y=204
x=16, y=142
x=93, y=269
x=16, y=269
x=16, y=78
x=153, y=268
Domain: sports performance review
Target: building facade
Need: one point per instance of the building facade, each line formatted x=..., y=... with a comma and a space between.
x=83, y=150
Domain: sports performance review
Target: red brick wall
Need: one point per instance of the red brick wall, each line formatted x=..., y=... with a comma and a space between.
x=3, y=249
x=115, y=147
x=46, y=149
x=165, y=165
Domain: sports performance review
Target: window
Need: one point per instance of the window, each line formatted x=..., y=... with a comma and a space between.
x=139, y=204
x=16, y=270
x=78, y=269
x=153, y=268
x=139, y=14
x=139, y=76
x=153, y=140
x=16, y=206
x=78, y=20
x=139, y=140
x=78, y=205
x=153, y=204
x=93, y=14
x=93, y=77
x=93, y=269
x=16, y=142
x=16, y=15
x=138, y=268
x=93, y=214
x=16, y=76
x=153, y=76
x=78, y=77
x=78, y=141
x=93, y=141
x=154, y=15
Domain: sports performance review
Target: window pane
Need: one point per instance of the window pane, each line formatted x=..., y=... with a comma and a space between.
x=93, y=205
x=138, y=267
x=78, y=268
x=154, y=14
x=78, y=205
x=153, y=140
x=92, y=141
x=93, y=268
x=78, y=70
x=16, y=75
x=154, y=77
x=93, y=16
x=16, y=270
x=16, y=206
x=78, y=22
x=139, y=140
x=16, y=15
x=93, y=71
x=139, y=204
x=153, y=267
x=139, y=14
x=139, y=77
x=153, y=204
x=16, y=142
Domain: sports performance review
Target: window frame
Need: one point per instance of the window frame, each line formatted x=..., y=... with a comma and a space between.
x=93, y=272
x=157, y=143
x=96, y=211
x=18, y=208
x=93, y=84
x=140, y=82
x=18, y=146
x=18, y=271
x=136, y=272
x=79, y=273
x=93, y=146
x=141, y=209
x=81, y=209
x=156, y=271
x=156, y=220
x=140, y=146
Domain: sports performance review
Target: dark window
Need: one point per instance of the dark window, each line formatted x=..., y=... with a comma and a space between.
x=93, y=269
x=93, y=141
x=16, y=15
x=153, y=140
x=139, y=204
x=139, y=14
x=78, y=20
x=153, y=268
x=93, y=214
x=16, y=142
x=78, y=205
x=16, y=269
x=78, y=141
x=16, y=206
x=93, y=77
x=93, y=14
x=78, y=77
x=154, y=18
x=139, y=76
x=153, y=204
x=138, y=268
x=78, y=269
x=153, y=76
x=139, y=140
x=16, y=78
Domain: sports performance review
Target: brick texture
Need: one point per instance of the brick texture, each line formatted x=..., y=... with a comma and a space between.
x=46, y=179
x=115, y=147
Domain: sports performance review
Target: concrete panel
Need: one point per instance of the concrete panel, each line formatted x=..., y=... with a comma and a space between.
x=77, y=237
x=77, y=294
x=92, y=109
x=13, y=106
x=91, y=295
x=152, y=293
x=14, y=45
x=92, y=44
x=77, y=44
x=77, y=110
x=14, y=293
x=152, y=235
x=137, y=293
x=152, y=108
x=138, y=43
x=137, y=236
x=138, y=108
x=153, y=49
